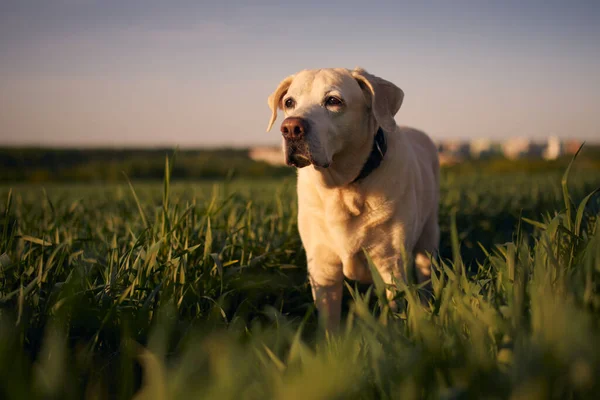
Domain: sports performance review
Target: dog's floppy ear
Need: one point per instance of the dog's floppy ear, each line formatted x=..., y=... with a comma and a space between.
x=385, y=97
x=275, y=99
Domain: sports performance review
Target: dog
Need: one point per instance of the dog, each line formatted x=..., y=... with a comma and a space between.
x=364, y=183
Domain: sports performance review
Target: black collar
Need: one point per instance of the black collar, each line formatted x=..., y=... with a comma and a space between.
x=376, y=156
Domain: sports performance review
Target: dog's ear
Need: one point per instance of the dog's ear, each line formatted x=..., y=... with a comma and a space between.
x=385, y=97
x=275, y=99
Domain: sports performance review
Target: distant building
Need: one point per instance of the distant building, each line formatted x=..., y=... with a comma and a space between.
x=516, y=147
x=554, y=148
x=571, y=146
x=269, y=154
x=481, y=148
x=457, y=148
x=448, y=159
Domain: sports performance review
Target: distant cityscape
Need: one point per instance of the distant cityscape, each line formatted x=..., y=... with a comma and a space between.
x=456, y=151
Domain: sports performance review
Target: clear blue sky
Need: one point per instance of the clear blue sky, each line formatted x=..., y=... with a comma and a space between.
x=150, y=72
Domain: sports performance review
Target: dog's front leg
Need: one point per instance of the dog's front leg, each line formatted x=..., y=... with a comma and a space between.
x=326, y=281
x=391, y=270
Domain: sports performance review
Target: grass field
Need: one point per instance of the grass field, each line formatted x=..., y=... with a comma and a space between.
x=182, y=290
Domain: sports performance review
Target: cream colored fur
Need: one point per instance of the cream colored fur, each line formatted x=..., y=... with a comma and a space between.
x=393, y=209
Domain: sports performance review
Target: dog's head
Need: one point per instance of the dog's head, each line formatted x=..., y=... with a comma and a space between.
x=330, y=110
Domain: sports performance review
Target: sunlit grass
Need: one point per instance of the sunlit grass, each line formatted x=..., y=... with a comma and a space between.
x=199, y=291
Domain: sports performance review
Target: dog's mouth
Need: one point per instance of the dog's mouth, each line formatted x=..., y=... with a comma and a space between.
x=297, y=154
x=298, y=160
x=301, y=159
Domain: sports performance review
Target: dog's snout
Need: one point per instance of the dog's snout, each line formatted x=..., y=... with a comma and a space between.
x=294, y=128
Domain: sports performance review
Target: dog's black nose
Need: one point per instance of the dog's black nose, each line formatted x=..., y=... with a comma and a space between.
x=294, y=128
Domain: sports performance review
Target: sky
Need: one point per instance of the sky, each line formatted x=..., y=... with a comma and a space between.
x=115, y=73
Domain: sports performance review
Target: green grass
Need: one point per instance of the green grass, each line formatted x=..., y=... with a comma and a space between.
x=199, y=291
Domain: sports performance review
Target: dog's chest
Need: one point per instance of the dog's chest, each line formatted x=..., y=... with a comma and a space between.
x=354, y=221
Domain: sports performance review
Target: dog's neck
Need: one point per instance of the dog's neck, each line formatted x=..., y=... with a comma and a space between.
x=378, y=151
x=354, y=164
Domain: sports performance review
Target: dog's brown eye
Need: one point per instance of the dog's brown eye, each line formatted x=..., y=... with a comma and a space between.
x=333, y=101
x=290, y=103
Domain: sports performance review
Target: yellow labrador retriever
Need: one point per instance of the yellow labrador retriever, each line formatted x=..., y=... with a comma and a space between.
x=363, y=181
